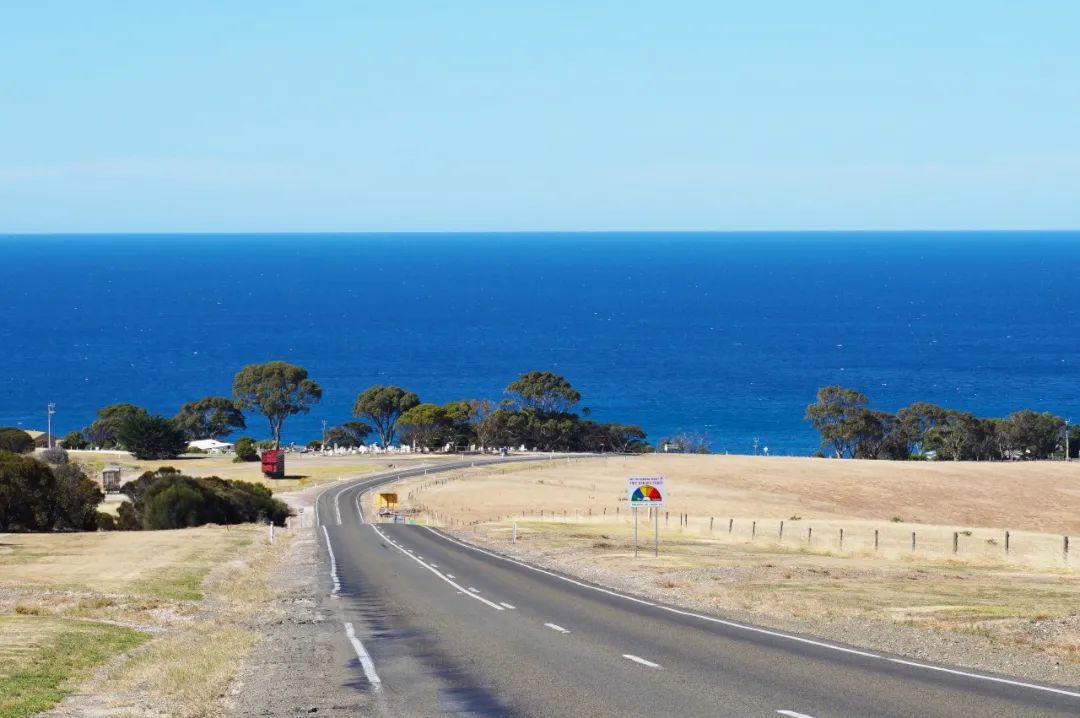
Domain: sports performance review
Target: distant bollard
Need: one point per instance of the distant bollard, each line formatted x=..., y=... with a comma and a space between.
x=710, y=523
x=667, y=517
x=955, y=541
x=875, y=539
x=753, y=530
x=730, y=525
x=514, y=538
x=781, y=530
x=809, y=534
x=841, y=539
x=1006, y=542
x=912, y=540
x=1065, y=547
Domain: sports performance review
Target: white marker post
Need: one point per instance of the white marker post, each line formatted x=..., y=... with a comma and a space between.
x=646, y=491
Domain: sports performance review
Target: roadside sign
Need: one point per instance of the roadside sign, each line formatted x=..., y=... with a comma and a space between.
x=645, y=491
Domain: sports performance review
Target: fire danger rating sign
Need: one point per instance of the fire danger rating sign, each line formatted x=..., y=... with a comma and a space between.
x=645, y=491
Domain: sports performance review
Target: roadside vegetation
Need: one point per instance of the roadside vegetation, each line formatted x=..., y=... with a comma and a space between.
x=850, y=429
x=144, y=624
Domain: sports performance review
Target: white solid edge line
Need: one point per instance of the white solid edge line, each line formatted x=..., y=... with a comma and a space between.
x=765, y=631
x=980, y=676
x=365, y=658
x=639, y=659
x=556, y=627
x=333, y=564
x=438, y=573
x=643, y=602
x=793, y=714
x=507, y=605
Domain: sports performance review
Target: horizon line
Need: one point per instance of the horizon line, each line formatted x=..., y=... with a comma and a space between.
x=526, y=232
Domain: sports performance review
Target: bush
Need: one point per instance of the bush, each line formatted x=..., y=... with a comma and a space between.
x=28, y=500
x=105, y=522
x=245, y=449
x=15, y=440
x=54, y=456
x=168, y=500
x=78, y=498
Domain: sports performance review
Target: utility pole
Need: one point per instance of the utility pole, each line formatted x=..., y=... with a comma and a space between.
x=324, y=434
x=1066, y=439
x=51, y=410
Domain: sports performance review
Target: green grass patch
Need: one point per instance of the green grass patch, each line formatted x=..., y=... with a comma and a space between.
x=38, y=677
x=175, y=584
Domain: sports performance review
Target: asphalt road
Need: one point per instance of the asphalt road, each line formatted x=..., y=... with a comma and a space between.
x=433, y=626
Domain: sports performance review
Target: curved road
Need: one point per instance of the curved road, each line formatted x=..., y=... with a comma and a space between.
x=434, y=626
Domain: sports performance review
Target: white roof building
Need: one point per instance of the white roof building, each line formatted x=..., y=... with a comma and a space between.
x=212, y=445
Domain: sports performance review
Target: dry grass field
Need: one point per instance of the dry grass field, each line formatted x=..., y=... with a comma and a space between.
x=729, y=555
x=301, y=469
x=171, y=603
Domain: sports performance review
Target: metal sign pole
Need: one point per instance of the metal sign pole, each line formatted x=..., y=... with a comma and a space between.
x=635, y=532
x=656, y=536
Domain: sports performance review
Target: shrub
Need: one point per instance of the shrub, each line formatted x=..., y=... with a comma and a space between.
x=105, y=522
x=15, y=440
x=170, y=500
x=78, y=498
x=245, y=449
x=28, y=497
x=54, y=456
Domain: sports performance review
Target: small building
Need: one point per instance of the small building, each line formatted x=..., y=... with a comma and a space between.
x=110, y=479
x=212, y=446
x=41, y=439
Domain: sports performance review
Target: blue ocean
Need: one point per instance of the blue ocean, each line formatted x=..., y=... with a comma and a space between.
x=725, y=334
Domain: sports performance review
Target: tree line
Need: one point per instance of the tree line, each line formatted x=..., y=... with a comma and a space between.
x=849, y=428
x=538, y=410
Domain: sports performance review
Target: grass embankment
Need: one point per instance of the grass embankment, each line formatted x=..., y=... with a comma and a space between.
x=1029, y=596
x=301, y=469
x=172, y=603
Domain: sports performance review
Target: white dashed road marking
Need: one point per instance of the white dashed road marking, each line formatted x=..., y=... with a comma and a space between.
x=793, y=714
x=365, y=658
x=507, y=605
x=639, y=659
x=556, y=627
x=436, y=571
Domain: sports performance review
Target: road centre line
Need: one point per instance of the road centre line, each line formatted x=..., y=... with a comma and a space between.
x=438, y=573
x=556, y=627
x=642, y=661
x=793, y=714
x=365, y=658
x=756, y=629
x=507, y=605
x=333, y=565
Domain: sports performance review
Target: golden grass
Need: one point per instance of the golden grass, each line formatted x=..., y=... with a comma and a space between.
x=169, y=564
x=301, y=469
x=1028, y=596
x=193, y=589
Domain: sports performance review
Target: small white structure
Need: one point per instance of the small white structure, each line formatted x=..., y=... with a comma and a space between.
x=211, y=445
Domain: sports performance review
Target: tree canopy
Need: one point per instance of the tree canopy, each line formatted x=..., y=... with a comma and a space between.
x=277, y=390
x=427, y=426
x=381, y=407
x=212, y=417
x=151, y=437
x=836, y=415
x=543, y=391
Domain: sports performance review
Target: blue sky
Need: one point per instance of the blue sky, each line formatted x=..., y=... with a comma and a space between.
x=401, y=116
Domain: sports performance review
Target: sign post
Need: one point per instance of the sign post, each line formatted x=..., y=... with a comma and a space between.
x=646, y=491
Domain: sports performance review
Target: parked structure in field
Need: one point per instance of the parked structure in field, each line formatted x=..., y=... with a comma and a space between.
x=110, y=479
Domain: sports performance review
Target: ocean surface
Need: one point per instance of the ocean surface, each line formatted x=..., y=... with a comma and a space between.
x=725, y=334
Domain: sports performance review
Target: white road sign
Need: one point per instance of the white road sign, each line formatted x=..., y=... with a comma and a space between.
x=645, y=491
